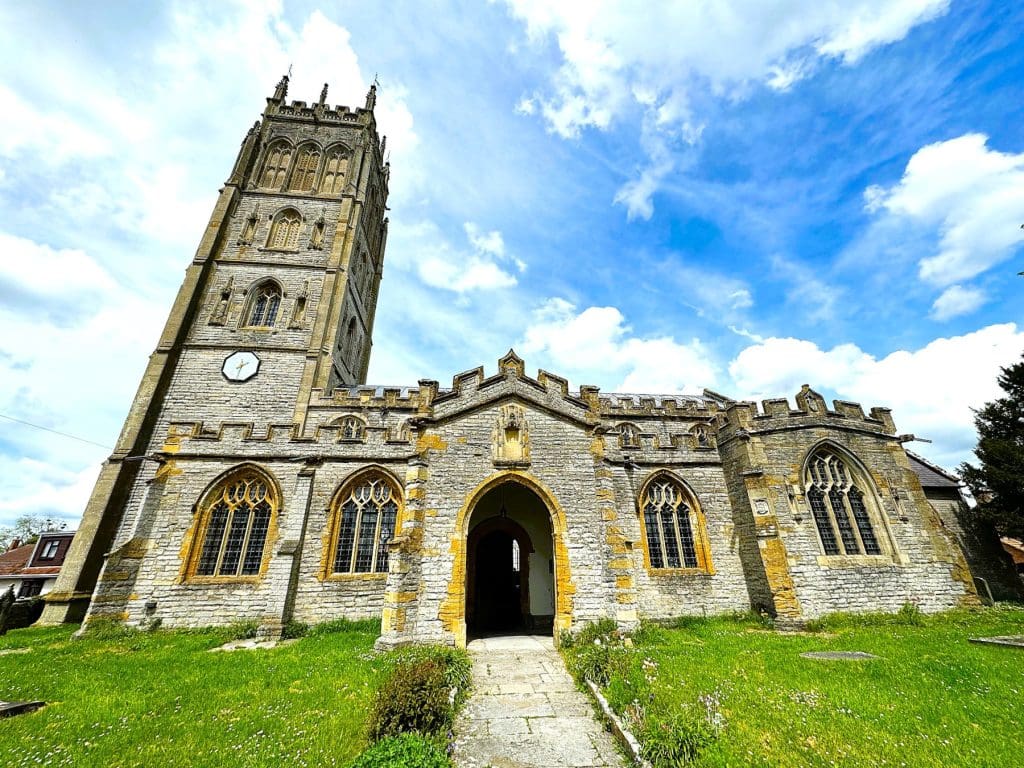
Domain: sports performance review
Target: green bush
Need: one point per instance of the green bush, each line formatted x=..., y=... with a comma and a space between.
x=414, y=697
x=294, y=629
x=678, y=741
x=409, y=750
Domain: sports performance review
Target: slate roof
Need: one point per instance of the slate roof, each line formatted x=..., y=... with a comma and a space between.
x=14, y=560
x=932, y=475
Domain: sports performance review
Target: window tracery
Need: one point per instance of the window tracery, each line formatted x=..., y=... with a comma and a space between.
x=275, y=166
x=306, y=165
x=351, y=428
x=265, y=302
x=284, y=232
x=235, y=521
x=365, y=515
x=838, y=507
x=334, y=173
x=672, y=527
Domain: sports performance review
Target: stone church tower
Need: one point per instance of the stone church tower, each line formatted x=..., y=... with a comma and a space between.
x=258, y=478
x=279, y=300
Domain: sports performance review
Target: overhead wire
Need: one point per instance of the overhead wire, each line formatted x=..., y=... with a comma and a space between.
x=55, y=431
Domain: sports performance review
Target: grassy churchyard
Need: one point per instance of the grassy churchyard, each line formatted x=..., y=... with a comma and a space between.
x=732, y=692
x=712, y=692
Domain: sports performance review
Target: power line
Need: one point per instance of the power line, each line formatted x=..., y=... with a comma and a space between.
x=55, y=431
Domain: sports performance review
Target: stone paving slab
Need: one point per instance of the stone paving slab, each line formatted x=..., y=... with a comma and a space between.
x=525, y=711
x=1013, y=641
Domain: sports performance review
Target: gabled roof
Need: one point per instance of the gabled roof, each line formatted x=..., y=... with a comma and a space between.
x=932, y=475
x=14, y=560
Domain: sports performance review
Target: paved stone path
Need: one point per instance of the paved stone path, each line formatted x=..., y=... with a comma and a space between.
x=525, y=711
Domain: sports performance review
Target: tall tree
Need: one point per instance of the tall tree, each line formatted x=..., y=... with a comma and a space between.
x=998, y=482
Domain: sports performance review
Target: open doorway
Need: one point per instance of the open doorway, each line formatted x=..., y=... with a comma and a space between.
x=510, y=584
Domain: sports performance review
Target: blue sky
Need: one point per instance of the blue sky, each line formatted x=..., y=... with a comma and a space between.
x=649, y=197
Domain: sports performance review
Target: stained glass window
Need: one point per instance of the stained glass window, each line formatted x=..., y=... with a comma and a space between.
x=368, y=514
x=669, y=523
x=838, y=507
x=265, y=304
x=238, y=515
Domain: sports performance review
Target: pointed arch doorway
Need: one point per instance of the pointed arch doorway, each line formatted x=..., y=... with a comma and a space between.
x=510, y=563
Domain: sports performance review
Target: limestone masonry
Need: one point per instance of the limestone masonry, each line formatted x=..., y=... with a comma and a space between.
x=257, y=478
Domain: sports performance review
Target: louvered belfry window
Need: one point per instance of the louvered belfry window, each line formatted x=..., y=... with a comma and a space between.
x=838, y=508
x=367, y=511
x=237, y=518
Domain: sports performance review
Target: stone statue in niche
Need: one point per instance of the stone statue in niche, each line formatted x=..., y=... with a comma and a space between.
x=249, y=229
x=316, y=241
x=510, y=437
x=220, y=312
x=299, y=310
x=702, y=436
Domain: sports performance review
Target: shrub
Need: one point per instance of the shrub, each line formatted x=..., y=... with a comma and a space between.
x=678, y=741
x=409, y=750
x=413, y=697
x=294, y=629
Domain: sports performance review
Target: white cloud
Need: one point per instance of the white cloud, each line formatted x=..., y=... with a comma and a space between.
x=931, y=390
x=970, y=195
x=957, y=300
x=484, y=265
x=596, y=346
x=615, y=57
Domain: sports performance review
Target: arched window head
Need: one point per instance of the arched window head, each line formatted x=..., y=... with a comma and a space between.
x=234, y=522
x=673, y=526
x=306, y=165
x=364, y=515
x=275, y=166
x=629, y=436
x=284, y=232
x=334, y=172
x=351, y=428
x=265, y=302
x=839, y=507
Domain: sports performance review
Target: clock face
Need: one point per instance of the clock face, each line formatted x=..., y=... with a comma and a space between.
x=240, y=366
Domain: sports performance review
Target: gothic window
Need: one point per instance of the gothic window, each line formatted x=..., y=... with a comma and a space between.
x=234, y=520
x=351, y=428
x=629, y=436
x=672, y=526
x=839, y=507
x=306, y=165
x=284, y=232
x=263, y=306
x=364, y=515
x=275, y=166
x=334, y=173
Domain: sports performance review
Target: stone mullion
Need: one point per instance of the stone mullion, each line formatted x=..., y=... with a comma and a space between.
x=854, y=524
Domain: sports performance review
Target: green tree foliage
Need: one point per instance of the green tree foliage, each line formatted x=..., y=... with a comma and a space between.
x=998, y=482
x=27, y=529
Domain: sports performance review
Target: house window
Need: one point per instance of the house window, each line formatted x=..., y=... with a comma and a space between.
x=306, y=166
x=275, y=166
x=364, y=516
x=629, y=436
x=284, y=232
x=235, y=521
x=265, y=302
x=30, y=587
x=672, y=527
x=49, y=550
x=839, y=508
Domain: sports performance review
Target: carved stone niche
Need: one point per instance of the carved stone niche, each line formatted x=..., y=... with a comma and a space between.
x=510, y=439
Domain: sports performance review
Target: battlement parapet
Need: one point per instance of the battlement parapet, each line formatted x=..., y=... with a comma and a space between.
x=333, y=437
x=811, y=409
x=616, y=405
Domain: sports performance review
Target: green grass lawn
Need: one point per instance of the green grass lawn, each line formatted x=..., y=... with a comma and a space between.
x=161, y=699
x=931, y=699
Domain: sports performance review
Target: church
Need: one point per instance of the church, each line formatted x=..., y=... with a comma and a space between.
x=258, y=478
